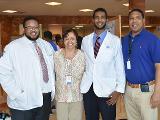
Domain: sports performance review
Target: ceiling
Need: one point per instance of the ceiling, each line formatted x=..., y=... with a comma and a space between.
x=71, y=7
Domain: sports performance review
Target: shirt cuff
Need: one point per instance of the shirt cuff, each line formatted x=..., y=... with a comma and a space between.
x=120, y=89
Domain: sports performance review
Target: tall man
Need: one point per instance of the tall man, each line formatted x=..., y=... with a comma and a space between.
x=26, y=74
x=104, y=78
x=142, y=65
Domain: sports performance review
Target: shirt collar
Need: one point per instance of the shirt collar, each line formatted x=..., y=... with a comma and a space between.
x=102, y=36
x=142, y=31
x=27, y=41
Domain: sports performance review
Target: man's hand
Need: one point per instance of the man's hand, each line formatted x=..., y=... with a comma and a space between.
x=155, y=100
x=113, y=98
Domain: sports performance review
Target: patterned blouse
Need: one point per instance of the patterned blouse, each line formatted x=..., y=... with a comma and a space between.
x=73, y=67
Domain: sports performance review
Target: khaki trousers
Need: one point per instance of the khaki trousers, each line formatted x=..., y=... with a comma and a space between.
x=137, y=104
x=69, y=111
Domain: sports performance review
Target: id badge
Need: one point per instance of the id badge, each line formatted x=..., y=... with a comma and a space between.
x=128, y=64
x=68, y=79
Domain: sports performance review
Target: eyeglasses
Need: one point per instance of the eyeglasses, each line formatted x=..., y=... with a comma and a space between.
x=32, y=28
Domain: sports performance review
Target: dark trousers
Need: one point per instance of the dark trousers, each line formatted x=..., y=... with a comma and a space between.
x=39, y=113
x=94, y=105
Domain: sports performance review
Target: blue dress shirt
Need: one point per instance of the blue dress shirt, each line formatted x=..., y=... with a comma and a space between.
x=102, y=36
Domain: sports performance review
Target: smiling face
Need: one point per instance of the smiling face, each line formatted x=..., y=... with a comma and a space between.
x=136, y=22
x=70, y=41
x=99, y=20
x=31, y=30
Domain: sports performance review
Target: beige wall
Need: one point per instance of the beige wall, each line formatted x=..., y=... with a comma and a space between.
x=55, y=29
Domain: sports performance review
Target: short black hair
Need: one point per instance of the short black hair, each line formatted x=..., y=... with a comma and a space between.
x=68, y=31
x=29, y=18
x=48, y=34
x=58, y=37
x=99, y=10
x=136, y=10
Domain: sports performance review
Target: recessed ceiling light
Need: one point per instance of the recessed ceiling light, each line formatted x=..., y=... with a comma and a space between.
x=126, y=4
x=149, y=11
x=148, y=26
x=126, y=26
x=76, y=28
x=53, y=3
x=9, y=11
x=85, y=10
x=79, y=26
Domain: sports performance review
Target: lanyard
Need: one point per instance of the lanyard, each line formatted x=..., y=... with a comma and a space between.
x=130, y=42
x=68, y=67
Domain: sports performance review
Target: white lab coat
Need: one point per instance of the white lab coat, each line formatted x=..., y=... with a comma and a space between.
x=21, y=75
x=106, y=72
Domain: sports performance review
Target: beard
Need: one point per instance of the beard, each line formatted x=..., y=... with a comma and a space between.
x=32, y=39
x=100, y=28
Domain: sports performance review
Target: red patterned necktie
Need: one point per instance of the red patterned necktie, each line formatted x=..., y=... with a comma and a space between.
x=96, y=47
x=42, y=62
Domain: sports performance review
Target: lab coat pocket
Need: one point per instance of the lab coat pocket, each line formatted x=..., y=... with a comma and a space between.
x=108, y=85
x=107, y=54
x=21, y=100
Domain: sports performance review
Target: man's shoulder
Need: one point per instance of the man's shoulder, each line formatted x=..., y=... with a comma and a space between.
x=14, y=45
x=149, y=35
x=43, y=41
x=46, y=45
x=16, y=41
x=125, y=36
x=86, y=40
x=113, y=36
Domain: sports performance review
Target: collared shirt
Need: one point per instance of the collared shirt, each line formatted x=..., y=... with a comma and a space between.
x=145, y=49
x=21, y=73
x=102, y=36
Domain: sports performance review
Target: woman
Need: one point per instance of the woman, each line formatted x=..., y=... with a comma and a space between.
x=69, y=68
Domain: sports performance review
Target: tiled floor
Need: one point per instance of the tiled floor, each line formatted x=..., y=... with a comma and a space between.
x=53, y=117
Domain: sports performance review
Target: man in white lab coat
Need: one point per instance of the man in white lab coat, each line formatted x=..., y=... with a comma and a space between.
x=104, y=78
x=27, y=74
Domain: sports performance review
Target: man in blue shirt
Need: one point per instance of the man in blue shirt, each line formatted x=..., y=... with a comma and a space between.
x=142, y=66
x=49, y=37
